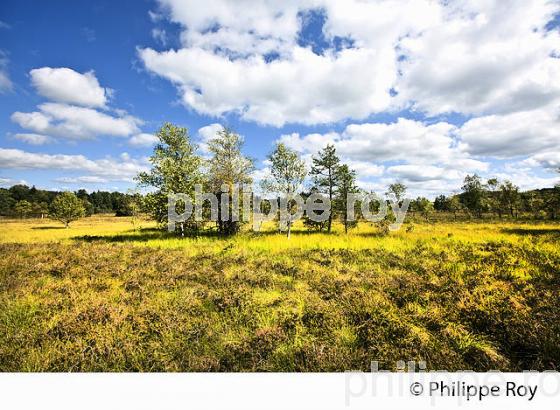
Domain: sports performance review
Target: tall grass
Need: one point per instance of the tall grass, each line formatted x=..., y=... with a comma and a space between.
x=103, y=295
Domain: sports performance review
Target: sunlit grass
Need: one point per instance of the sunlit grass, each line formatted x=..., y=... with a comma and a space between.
x=107, y=294
x=365, y=236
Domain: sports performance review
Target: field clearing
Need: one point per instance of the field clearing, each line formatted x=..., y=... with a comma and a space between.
x=107, y=228
x=107, y=295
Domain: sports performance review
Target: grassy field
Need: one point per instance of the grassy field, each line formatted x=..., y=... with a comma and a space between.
x=105, y=295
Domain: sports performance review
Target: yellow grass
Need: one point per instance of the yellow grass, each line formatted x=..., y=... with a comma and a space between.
x=110, y=295
x=365, y=236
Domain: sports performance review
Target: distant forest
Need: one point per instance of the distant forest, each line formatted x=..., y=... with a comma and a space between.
x=476, y=200
x=22, y=201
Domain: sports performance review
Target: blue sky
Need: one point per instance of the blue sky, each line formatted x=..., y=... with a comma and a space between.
x=421, y=92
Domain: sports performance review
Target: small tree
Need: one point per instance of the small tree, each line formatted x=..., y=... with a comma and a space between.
x=454, y=205
x=346, y=185
x=287, y=172
x=23, y=208
x=473, y=194
x=66, y=208
x=509, y=197
x=440, y=203
x=493, y=200
x=324, y=172
x=175, y=169
x=228, y=166
x=398, y=190
x=424, y=206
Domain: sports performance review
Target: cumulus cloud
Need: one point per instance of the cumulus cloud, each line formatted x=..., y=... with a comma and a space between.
x=143, y=140
x=68, y=86
x=427, y=157
x=207, y=133
x=403, y=140
x=487, y=57
x=123, y=168
x=483, y=58
x=76, y=123
x=307, y=88
x=547, y=160
x=516, y=134
x=33, y=139
x=420, y=173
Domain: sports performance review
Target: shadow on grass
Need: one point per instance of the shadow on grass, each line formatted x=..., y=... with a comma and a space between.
x=149, y=234
x=141, y=235
x=532, y=231
x=47, y=228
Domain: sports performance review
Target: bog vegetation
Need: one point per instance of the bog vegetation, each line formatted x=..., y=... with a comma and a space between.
x=470, y=281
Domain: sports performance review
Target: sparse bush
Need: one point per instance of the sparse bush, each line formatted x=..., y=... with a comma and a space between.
x=67, y=207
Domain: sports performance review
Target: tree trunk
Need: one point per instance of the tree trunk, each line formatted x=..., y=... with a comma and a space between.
x=330, y=199
x=289, y=229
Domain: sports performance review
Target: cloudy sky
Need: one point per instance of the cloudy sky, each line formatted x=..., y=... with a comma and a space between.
x=419, y=91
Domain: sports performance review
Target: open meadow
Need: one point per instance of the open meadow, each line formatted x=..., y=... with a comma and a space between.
x=109, y=295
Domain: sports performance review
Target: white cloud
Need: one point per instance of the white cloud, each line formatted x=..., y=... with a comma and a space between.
x=403, y=140
x=207, y=133
x=33, y=139
x=516, y=134
x=8, y=182
x=68, y=86
x=122, y=169
x=76, y=123
x=307, y=88
x=6, y=84
x=160, y=36
x=143, y=140
x=483, y=57
x=427, y=157
x=548, y=160
x=420, y=173
x=82, y=180
x=154, y=17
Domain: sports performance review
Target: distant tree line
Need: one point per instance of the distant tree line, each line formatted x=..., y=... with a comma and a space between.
x=22, y=201
x=498, y=199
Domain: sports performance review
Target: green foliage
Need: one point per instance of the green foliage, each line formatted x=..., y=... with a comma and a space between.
x=40, y=200
x=324, y=173
x=346, y=179
x=6, y=202
x=287, y=172
x=67, y=207
x=397, y=190
x=228, y=167
x=176, y=168
x=23, y=208
x=473, y=194
x=509, y=197
x=422, y=205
